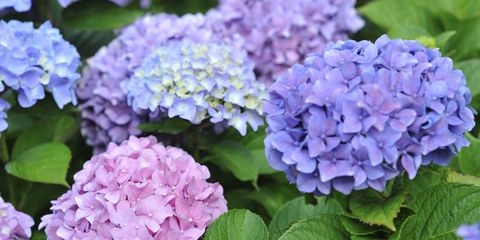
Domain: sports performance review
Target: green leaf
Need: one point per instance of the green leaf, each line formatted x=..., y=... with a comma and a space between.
x=427, y=177
x=441, y=210
x=442, y=39
x=298, y=209
x=58, y=128
x=273, y=196
x=471, y=69
x=372, y=208
x=407, y=32
x=355, y=227
x=237, y=224
x=391, y=13
x=99, y=15
x=237, y=159
x=46, y=163
x=322, y=226
x=167, y=125
x=254, y=143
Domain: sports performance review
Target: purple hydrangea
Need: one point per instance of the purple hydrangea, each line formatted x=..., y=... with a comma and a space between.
x=32, y=60
x=106, y=115
x=14, y=224
x=279, y=33
x=359, y=113
x=137, y=190
x=469, y=232
x=196, y=81
x=17, y=5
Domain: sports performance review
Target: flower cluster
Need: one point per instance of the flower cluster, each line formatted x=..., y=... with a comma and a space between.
x=106, y=115
x=14, y=224
x=358, y=114
x=137, y=190
x=18, y=5
x=32, y=60
x=279, y=33
x=197, y=81
x=469, y=232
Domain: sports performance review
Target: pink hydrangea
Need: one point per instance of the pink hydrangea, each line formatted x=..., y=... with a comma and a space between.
x=137, y=190
x=14, y=224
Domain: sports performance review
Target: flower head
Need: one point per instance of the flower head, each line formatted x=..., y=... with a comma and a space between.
x=14, y=224
x=18, y=5
x=279, y=33
x=34, y=60
x=359, y=113
x=199, y=81
x=137, y=190
x=103, y=100
x=143, y=3
x=469, y=232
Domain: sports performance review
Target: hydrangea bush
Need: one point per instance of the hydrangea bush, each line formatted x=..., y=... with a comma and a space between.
x=196, y=82
x=357, y=114
x=137, y=190
x=14, y=224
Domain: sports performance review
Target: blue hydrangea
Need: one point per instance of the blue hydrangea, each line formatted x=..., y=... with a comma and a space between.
x=197, y=81
x=32, y=60
x=360, y=113
x=469, y=232
x=18, y=5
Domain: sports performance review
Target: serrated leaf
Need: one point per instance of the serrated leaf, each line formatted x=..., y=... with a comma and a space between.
x=322, y=226
x=237, y=224
x=46, y=163
x=237, y=159
x=471, y=69
x=441, y=210
x=298, y=209
x=355, y=227
x=167, y=125
x=371, y=207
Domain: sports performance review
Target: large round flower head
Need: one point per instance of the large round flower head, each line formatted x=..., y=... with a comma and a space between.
x=17, y=5
x=137, y=190
x=106, y=115
x=469, y=232
x=279, y=33
x=196, y=81
x=358, y=114
x=14, y=224
x=32, y=60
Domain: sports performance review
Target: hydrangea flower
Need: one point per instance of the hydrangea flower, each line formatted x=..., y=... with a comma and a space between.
x=32, y=60
x=279, y=33
x=137, y=190
x=106, y=115
x=14, y=224
x=196, y=81
x=469, y=232
x=359, y=113
x=18, y=5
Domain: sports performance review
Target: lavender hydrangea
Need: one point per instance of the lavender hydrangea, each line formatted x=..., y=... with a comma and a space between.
x=14, y=224
x=17, y=5
x=469, y=232
x=106, y=115
x=198, y=81
x=358, y=114
x=32, y=60
x=137, y=190
x=279, y=33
